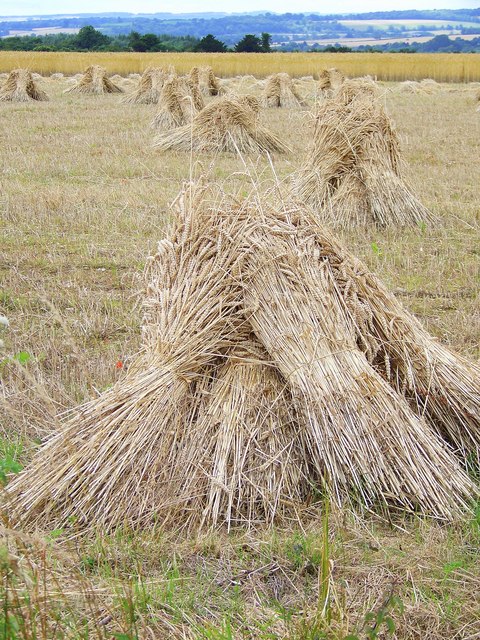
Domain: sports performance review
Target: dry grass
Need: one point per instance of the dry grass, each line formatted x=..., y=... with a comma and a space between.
x=94, y=81
x=20, y=87
x=226, y=124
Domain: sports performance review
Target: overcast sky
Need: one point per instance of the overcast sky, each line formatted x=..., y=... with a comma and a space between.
x=28, y=7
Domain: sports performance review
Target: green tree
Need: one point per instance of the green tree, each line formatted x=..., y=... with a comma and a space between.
x=210, y=44
x=249, y=44
x=266, y=42
x=151, y=41
x=89, y=38
x=135, y=42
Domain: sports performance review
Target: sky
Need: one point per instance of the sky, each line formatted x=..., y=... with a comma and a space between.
x=29, y=7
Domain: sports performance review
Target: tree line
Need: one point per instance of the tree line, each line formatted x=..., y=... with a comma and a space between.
x=90, y=39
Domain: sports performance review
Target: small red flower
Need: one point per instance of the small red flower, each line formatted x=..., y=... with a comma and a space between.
x=119, y=364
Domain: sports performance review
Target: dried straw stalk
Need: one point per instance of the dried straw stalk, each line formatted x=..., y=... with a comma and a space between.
x=329, y=79
x=149, y=86
x=241, y=461
x=273, y=364
x=359, y=433
x=177, y=105
x=224, y=125
x=280, y=91
x=350, y=90
x=252, y=102
x=410, y=86
x=20, y=87
x=94, y=81
x=207, y=81
x=195, y=92
x=115, y=458
x=352, y=176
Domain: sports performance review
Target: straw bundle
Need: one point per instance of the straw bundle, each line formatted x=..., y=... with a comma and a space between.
x=247, y=81
x=351, y=89
x=280, y=91
x=116, y=459
x=224, y=125
x=244, y=438
x=195, y=92
x=410, y=86
x=441, y=386
x=352, y=176
x=206, y=80
x=20, y=87
x=428, y=85
x=177, y=106
x=252, y=102
x=273, y=364
x=324, y=80
x=359, y=430
x=149, y=86
x=330, y=79
x=94, y=81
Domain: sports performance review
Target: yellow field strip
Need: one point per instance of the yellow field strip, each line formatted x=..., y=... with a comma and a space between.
x=443, y=67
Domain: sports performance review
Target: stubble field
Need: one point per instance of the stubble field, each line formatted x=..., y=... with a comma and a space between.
x=83, y=201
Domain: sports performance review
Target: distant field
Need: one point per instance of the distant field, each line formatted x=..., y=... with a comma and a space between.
x=443, y=67
x=40, y=31
x=372, y=42
x=408, y=24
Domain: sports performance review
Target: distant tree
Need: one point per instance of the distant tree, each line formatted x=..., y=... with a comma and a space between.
x=210, y=44
x=89, y=38
x=135, y=42
x=266, y=42
x=337, y=48
x=439, y=43
x=249, y=44
x=151, y=41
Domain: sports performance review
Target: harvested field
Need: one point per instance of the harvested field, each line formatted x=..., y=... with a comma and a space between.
x=84, y=199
